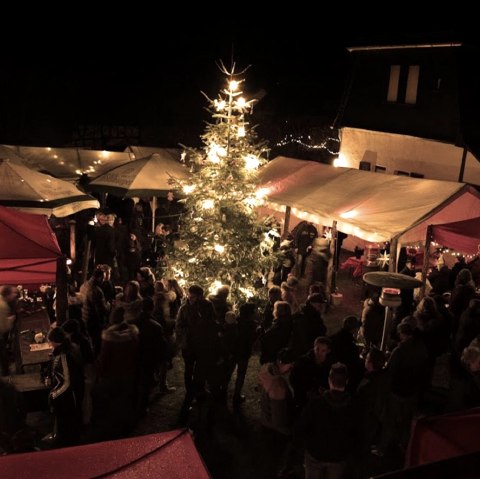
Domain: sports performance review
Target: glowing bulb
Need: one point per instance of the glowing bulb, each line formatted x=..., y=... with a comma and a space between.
x=219, y=248
x=49, y=149
x=208, y=204
x=241, y=103
x=219, y=105
x=233, y=85
x=341, y=161
x=55, y=156
x=262, y=192
x=241, y=131
x=251, y=162
x=215, y=152
x=105, y=154
x=78, y=172
x=349, y=214
x=187, y=189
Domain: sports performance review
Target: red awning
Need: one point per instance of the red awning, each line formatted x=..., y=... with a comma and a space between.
x=28, y=248
x=169, y=454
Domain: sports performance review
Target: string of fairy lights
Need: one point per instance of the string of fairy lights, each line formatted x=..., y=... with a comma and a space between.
x=301, y=140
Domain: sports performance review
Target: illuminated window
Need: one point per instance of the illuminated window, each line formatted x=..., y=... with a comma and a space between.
x=412, y=84
x=392, y=95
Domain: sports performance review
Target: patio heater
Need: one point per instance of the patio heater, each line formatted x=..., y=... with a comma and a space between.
x=391, y=284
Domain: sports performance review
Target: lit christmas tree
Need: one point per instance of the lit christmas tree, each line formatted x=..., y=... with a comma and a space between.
x=222, y=239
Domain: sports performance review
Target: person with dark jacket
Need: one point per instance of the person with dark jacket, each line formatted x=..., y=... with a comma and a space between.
x=247, y=322
x=370, y=399
x=198, y=337
x=345, y=350
x=114, y=390
x=95, y=309
x=66, y=395
x=373, y=317
x=152, y=351
x=309, y=375
x=278, y=336
x=308, y=325
x=408, y=370
x=327, y=427
x=220, y=303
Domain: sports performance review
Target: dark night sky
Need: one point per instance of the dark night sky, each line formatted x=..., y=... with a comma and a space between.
x=141, y=76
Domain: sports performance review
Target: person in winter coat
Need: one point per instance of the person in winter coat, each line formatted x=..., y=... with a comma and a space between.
x=308, y=325
x=276, y=404
x=67, y=382
x=327, y=427
x=198, y=337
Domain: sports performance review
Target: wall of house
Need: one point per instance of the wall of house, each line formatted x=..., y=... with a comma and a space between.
x=403, y=154
x=435, y=111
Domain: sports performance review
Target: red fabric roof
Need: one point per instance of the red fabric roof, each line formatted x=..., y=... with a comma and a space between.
x=463, y=236
x=170, y=454
x=28, y=248
x=441, y=437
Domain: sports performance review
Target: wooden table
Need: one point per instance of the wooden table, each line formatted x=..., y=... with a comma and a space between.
x=27, y=326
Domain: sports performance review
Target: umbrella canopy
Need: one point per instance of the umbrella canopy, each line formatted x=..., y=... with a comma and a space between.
x=385, y=279
x=34, y=192
x=65, y=163
x=150, y=176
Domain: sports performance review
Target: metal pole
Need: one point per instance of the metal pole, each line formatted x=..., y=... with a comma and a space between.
x=386, y=327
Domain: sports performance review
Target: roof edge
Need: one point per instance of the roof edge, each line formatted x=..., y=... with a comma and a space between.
x=403, y=47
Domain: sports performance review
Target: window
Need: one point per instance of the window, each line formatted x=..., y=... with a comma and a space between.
x=380, y=169
x=416, y=175
x=403, y=84
x=365, y=165
x=392, y=95
x=401, y=173
x=412, y=84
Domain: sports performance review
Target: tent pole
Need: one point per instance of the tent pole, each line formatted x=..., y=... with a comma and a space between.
x=73, y=252
x=61, y=301
x=86, y=260
x=332, y=266
x=426, y=259
x=154, y=207
x=286, y=223
x=392, y=263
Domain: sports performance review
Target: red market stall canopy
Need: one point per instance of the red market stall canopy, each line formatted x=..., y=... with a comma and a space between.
x=28, y=248
x=462, y=236
x=170, y=454
x=373, y=206
x=437, y=438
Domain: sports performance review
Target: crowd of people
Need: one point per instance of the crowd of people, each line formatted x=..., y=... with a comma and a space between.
x=326, y=399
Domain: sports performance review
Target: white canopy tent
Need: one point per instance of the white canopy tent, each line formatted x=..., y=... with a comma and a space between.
x=373, y=206
x=65, y=163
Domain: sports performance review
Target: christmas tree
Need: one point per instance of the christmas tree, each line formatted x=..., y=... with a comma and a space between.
x=222, y=239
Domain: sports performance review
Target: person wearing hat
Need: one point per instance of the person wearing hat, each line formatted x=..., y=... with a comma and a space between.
x=345, y=350
x=67, y=384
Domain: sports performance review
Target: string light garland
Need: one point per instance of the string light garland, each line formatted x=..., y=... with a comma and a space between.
x=301, y=140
